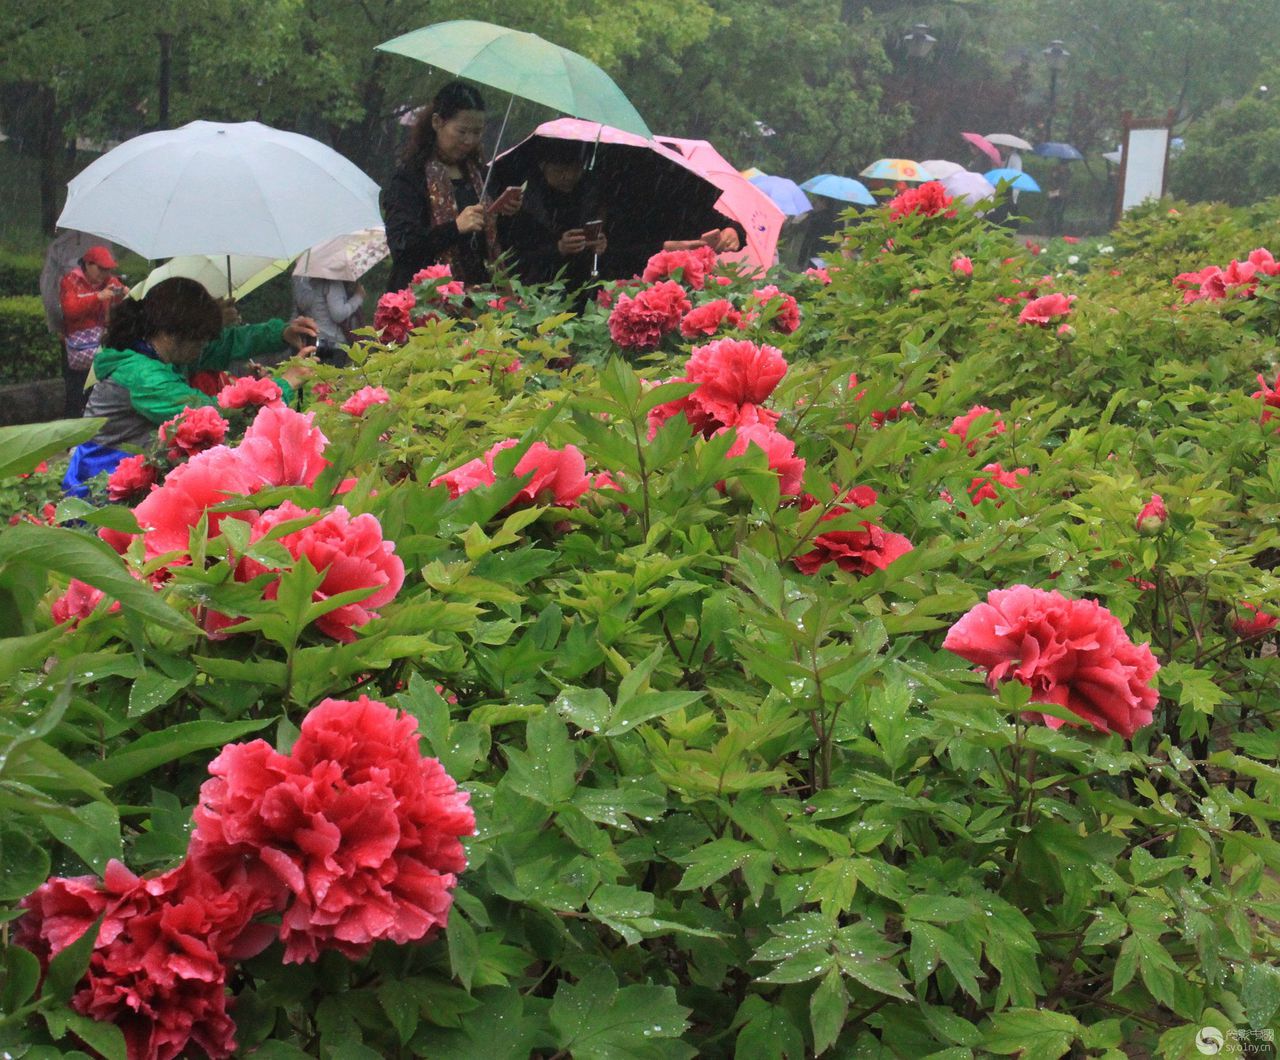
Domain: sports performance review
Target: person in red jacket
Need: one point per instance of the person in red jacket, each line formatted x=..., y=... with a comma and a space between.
x=87, y=294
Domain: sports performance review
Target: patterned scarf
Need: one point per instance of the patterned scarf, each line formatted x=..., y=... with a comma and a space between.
x=444, y=208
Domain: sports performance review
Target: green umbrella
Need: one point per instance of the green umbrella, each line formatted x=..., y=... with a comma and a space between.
x=524, y=65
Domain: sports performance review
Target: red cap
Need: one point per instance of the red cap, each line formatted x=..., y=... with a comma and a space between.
x=99, y=256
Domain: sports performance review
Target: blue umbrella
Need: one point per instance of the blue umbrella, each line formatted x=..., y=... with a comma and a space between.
x=786, y=193
x=846, y=189
x=1053, y=149
x=1015, y=178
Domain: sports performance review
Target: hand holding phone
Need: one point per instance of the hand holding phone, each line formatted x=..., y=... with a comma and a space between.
x=593, y=230
x=509, y=201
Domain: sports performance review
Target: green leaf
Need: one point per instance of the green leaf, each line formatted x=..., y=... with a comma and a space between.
x=1260, y=994
x=768, y=1032
x=78, y=555
x=105, y=1038
x=827, y=1010
x=594, y=1020
x=157, y=748
x=154, y=689
x=17, y=653
x=1032, y=1033
x=24, y=446
x=464, y=953
x=399, y=1001
x=92, y=831
x=24, y=865
x=69, y=965
x=545, y=771
x=21, y=976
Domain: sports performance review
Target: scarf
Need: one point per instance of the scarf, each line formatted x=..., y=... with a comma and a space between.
x=444, y=208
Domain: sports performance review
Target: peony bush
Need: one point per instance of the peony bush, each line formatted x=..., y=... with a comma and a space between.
x=876, y=662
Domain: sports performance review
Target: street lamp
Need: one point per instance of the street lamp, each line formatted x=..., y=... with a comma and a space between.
x=919, y=41
x=1056, y=56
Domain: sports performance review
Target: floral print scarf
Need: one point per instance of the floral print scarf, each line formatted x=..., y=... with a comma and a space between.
x=444, y=207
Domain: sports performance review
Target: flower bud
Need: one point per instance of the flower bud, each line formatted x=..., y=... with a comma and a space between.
x=1152, y=518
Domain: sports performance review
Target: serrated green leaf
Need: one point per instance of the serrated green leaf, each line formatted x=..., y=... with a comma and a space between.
x=1032, y=1033
x=69, y=965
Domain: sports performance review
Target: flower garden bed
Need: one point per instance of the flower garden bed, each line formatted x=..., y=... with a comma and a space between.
x=732, y=670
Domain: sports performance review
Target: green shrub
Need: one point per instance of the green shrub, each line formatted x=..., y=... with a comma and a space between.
x=19, y=273
x=27, y=349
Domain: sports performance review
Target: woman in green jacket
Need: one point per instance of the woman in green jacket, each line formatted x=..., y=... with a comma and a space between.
x=148, y=355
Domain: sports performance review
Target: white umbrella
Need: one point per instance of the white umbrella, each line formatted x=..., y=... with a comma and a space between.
x=346, y=258
x=939, y=168
x=222, y=275
x=221, y=188
x=1008, y=140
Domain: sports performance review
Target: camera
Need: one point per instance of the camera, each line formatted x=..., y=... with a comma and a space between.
x=332, y=354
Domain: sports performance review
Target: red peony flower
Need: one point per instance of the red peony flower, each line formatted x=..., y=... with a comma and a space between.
x=786, y=317
x=393, y=316
x=349, y=551
x=283, y=447
x=861, y=551
x=1073, y=653
x=559, y=476
x=983, y=487
x=471, y=475
x=639, y=323
x=364, y=399
x=736, y=376
x=693, y=266
x=879, y=417
x=132, y=479
x=1257, y=624
x=823, y=276
x=1045, y=310
x=961, y=424
x=193, y=431
x=439, y=281
x=190, y=490
x=779, y=449
x=709, y=318
x=928, y=200
x=1154, y=515
x=1270, y=397
x=962, y=266
x=360, y=833
x=247, y=392
x=79, y=601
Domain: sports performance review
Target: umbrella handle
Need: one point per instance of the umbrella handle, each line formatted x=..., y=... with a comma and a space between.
x=501, y=129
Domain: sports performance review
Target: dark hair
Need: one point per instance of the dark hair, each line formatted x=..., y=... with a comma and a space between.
x=454, y=97
x=561, y=152
x=178, y=306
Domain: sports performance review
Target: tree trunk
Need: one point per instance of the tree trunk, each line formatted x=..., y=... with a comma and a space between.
x=166, y=79
x=50, y=143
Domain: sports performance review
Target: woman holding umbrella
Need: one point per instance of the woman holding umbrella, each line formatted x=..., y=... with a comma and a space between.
x=434, y=207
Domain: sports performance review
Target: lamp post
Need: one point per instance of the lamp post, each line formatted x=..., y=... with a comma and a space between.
x=1056, y=56
x=919, y=43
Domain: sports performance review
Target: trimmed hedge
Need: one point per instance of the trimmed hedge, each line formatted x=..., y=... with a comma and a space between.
x=19, y=273
x=27, y=350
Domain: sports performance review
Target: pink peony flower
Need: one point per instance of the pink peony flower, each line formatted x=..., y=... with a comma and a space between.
x=823, y=276
x=983, y=487
x=1257, y=624
x=193, y=431
x=359, y=833
x=247, y=392
x=1269, y=396
x=962, y=266
x=78, y=602
x=1154, y=515
x=471, y=475
x=439, y=278
x=364, y=399
x=349, y=551
x=559, y=476
x=393, y=317
x=961, y=424
x=929, y=200
x=1073, y=653
x=736, y=376
x=283, y=447
x=709, y=318
x=779, y=449
x=786, y=318
x=1045, y=310
x=639, y=323
x=693, y=266
x=168, y=513
x=132, y=479
x=863, y=551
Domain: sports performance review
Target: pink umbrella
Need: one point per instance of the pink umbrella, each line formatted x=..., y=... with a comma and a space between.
x=740, y=200
x=984, y=145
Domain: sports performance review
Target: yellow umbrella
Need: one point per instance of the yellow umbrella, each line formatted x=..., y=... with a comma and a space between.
x=222, y=275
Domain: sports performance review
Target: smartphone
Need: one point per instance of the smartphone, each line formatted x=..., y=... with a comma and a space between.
x=593, y=230
x=507, y=195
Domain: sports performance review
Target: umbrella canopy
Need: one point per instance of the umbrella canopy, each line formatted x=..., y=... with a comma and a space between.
x=973, y=188
x=345, y=258
x=1054, y=149
x=221, y=188
x=846, y=189
x=984, y=145
x=63, y=255
x=222, y=275
x=751, y=171
x=786, y=193
x=939, y=168
x=646, y=193
x=524, y=65
x=1015, y=178
x=896, y=169
x=739, y=200
x=1008, y=140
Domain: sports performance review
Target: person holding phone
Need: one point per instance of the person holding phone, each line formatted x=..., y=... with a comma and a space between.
x=434, y=207
x=558, y=228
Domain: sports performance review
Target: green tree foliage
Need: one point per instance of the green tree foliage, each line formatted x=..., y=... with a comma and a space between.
x=1232, y=156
